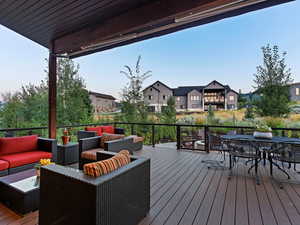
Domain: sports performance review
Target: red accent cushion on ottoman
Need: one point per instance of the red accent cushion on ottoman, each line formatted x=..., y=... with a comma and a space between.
x=12, y=145
x=3, y=165
x=108, y=129
x=98, y=130
x=20, y=159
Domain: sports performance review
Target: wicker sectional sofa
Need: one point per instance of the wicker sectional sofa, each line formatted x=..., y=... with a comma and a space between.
x=122, y=197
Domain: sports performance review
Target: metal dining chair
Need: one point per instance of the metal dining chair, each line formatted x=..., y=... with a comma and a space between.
x=285, y=154
x=239, y=149
x=216, y=144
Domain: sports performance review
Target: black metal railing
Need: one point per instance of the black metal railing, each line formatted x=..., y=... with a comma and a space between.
x=185, y=136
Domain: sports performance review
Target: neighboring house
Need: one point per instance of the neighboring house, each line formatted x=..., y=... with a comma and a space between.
x=295, y=92
x=102, y=102
x=157, y=95
x=191, y=98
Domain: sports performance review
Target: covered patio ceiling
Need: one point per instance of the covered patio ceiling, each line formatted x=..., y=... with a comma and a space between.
x=75, y=28
x=80, y=27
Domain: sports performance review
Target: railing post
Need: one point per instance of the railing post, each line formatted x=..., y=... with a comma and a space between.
x=242, y=131
x=132, y=129
x=206, y=138
x=178, y=136
x=282, y=133
x=153, y=136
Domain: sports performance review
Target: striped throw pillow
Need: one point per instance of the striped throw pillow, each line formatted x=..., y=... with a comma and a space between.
x=100, y=168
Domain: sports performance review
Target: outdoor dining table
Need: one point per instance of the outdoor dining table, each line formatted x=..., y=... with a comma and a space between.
x=265, y=145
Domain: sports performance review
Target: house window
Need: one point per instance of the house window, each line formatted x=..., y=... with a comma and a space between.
x=150, y=97
x=231, y=98
x=150, y=89
x=195, y=97
x=164, y=97
x=297, y=91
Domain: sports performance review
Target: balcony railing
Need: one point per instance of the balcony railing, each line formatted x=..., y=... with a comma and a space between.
x=185, y=136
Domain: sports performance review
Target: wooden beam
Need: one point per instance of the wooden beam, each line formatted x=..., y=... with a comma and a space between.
x=52, y=94
x=147, y=15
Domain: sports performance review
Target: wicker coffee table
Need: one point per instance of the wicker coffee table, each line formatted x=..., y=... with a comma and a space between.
x=20, y=191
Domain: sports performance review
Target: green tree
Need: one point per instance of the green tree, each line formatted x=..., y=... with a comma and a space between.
x=29, y=107
x=73, y=103
x=132, y=106
x=272, y=79
x=242, y=102
x=132, y=92
x=249, y=113
x=168, y=116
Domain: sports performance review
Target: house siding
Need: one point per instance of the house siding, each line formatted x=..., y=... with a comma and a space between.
x=293, y=94
x=102, y=104
x=183, y=96
x=192, y=103
x=231, y=103
x=160, y=95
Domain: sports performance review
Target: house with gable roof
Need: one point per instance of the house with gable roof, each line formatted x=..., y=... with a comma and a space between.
x=191, y=98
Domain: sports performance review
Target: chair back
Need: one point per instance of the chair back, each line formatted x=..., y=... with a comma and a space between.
x=287, y=153
x=242, y=148
x=215, y=142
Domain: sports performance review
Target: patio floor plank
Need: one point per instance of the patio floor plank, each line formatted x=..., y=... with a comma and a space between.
x=185, y=192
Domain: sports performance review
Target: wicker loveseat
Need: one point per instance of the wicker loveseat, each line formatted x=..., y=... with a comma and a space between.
x=22, y=153
x=97, y=131
x=122, y=197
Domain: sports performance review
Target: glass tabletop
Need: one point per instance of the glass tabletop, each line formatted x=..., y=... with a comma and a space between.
x=27, y=184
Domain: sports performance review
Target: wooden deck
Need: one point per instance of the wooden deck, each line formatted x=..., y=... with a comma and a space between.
x=185, y=192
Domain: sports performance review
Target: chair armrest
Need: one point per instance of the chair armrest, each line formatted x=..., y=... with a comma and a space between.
x=49, y=145
x=119, y=130
x=89, y=143
x=119, y=144
x=85, y=134
x=103, y=155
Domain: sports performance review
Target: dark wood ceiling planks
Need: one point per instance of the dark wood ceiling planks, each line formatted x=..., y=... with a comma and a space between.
x=71, y=24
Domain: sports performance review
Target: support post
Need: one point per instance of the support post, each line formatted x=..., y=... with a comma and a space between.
x=178, y=136
x=132, y=129
x=206, y=138
x=153, y=136
x=52, y=89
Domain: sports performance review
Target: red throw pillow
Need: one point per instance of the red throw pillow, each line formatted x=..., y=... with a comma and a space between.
x=98, y=130
x=108, y=129
x=12, y=145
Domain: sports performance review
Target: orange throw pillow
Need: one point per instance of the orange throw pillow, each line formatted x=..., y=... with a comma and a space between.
x=97, y=169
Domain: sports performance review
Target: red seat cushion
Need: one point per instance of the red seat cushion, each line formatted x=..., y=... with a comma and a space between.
x=3, y=165
x=20, y=159
x=12, y=145
x=98, y=130
x=108, y=129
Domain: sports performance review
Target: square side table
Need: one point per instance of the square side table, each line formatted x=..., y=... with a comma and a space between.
x=67, y=154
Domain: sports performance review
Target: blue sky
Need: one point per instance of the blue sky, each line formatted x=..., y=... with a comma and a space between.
x=227, y=51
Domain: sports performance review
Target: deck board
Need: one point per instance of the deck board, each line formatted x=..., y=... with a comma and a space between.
x=185, y=192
